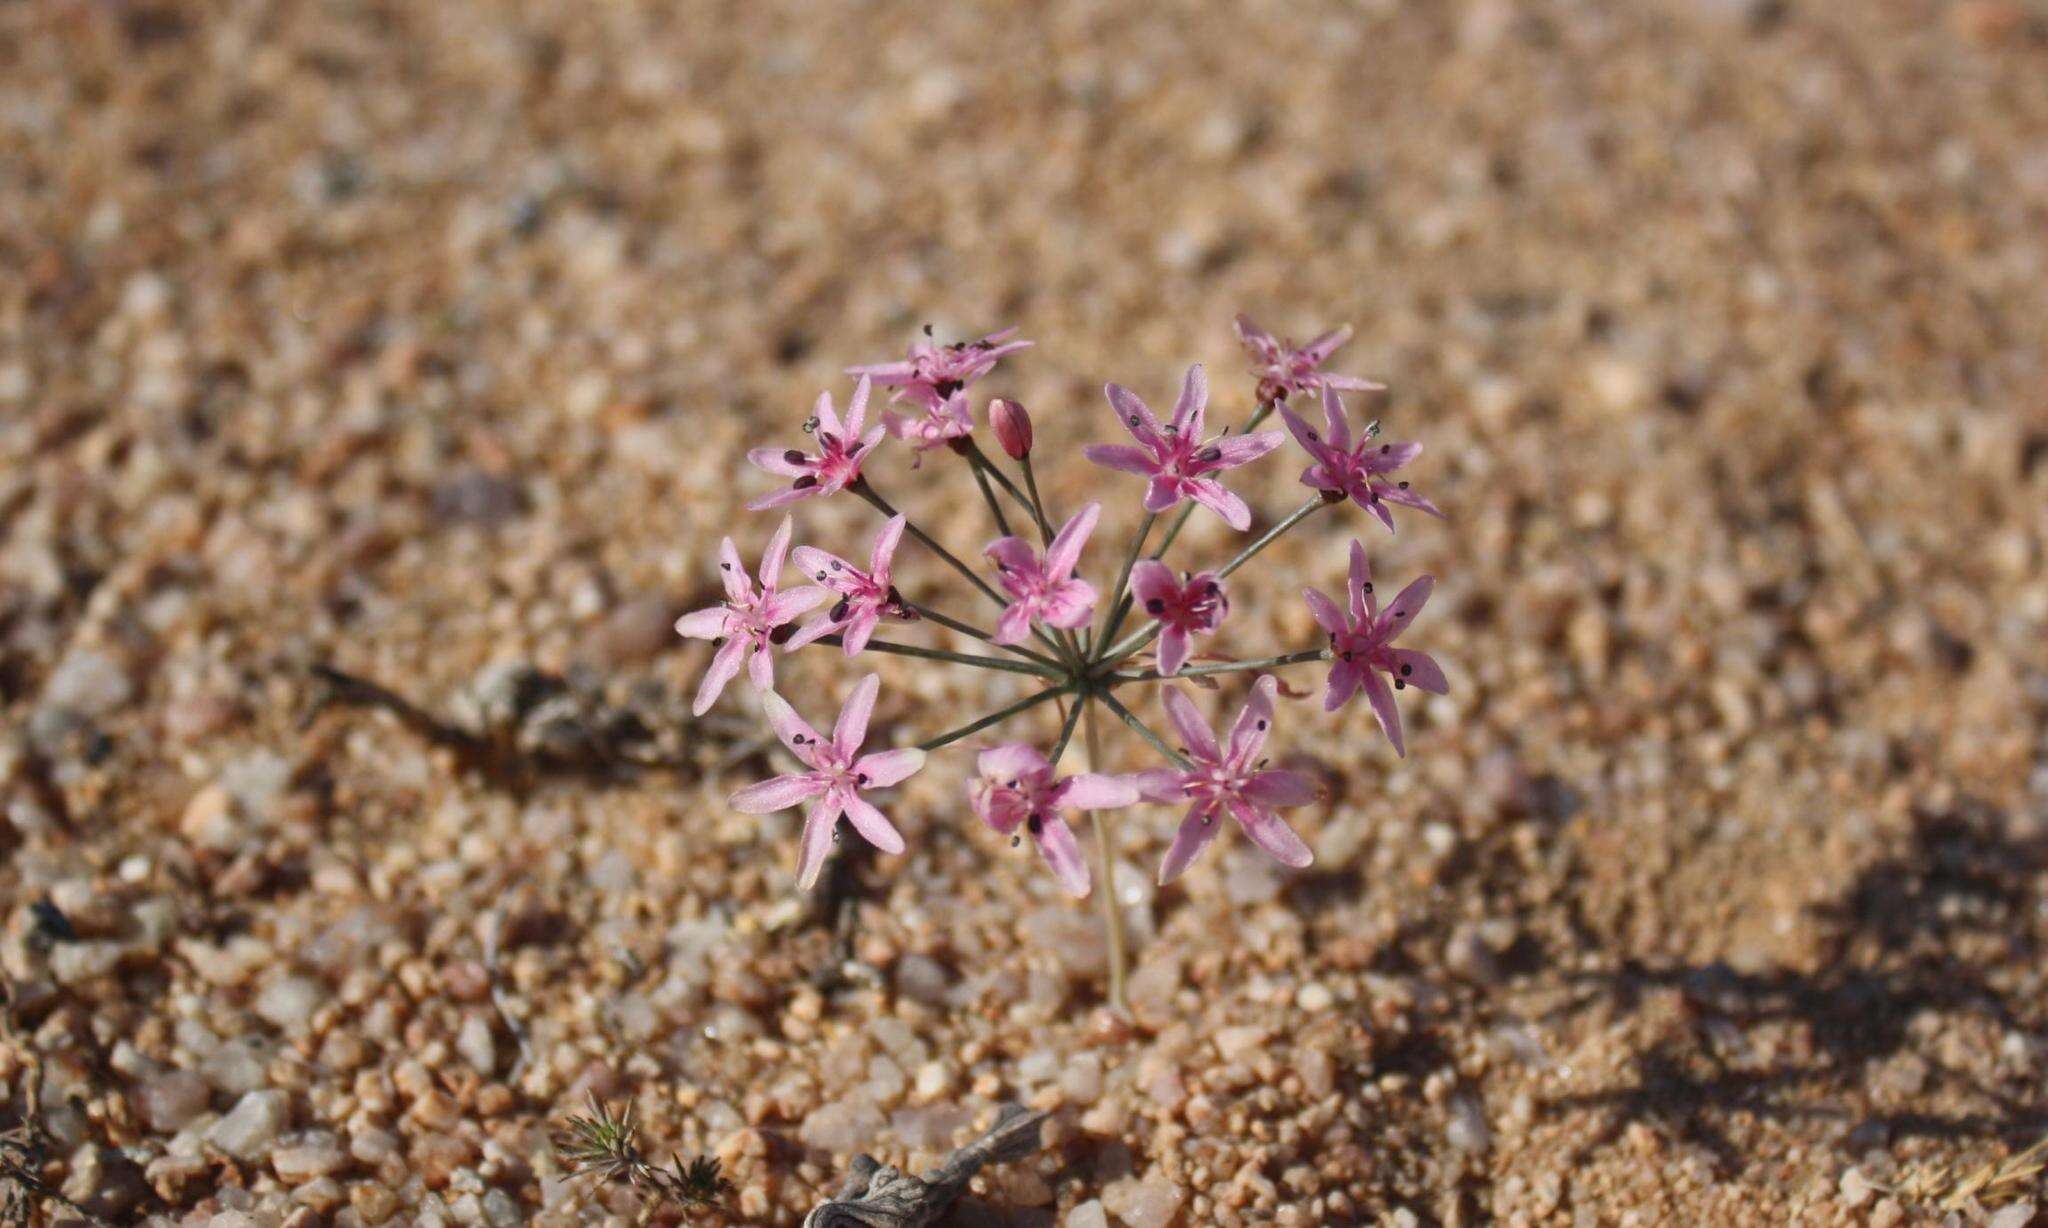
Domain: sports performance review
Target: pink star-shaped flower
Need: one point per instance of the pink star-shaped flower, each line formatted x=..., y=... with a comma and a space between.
x=938, y=425
x=750, y=620
x=1016, y=789
x=1046, y=591
x=932, y=373
x=1356, y=470
x=1175, y=457
x=1190, y=606
x=865, y=597
x=1232, y=779
x=842, y=450
x=838, y=774
x=1285, y=368
x=1363, y=640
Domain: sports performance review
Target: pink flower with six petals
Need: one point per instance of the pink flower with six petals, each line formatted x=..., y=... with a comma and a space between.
x=932, y=373
x=749, y=621
x=865, y=597
x=1232, y=779
x=1195, y=605
x=1047, y=591
x=1356, y=470
x=1017, y=789
x=1175, y=457
x=838, y=773
x=940, y=424
x=842, y=450
x=1285, y=368
x=1362, y=641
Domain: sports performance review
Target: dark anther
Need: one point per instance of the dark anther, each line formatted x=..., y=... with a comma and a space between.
x=821, y=576
x=1407, y=670
x=1400, y=685
x=781, y=634
x=828, y=439
x=1034, y=824
x=835, y=564
x=861, y=779
x=839, y=611
x=1386, y=448
x=1262, y=726
x=793, y=456
x=810, y=424
x=1368, y=586
x=895, y=598
x=718, y=641
x=1404, y=486
x=805, y=482
x=946, y=387
x=1313, y=437
x=1015, y=841
x=1155, y=606
x=1134, y=419
x=927, y=330
x=1209, y=454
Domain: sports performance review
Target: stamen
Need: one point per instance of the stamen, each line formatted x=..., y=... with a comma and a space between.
x=1407, y=670
x=1209, y=454
x=805, y=482
x=781, y=634
x=1155, y=606
x=810, y=425
x=794, y=457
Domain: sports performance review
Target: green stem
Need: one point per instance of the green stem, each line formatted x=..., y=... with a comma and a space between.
x=1113, y=616
x=980, y=460
x=1105, y=858
x=969, y=629
x=1037, y=503
x=988, y=496
x=1131, y=718
x=957, y=658
x=1227, y=667
x=994, y=718
x=881, y=505
x=1067, y=732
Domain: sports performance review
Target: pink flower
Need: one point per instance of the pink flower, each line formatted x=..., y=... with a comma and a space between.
x=936, y=426
x=838, y=773
x=932, y=373
x=1362, y=641
x=1047, y=591
x=1012, y=426
x=1174, y=456
x=1232, y=779
x=1195, y=605
x=1356, y=470
x=749, y=621
x=1017, y=789
x=842, y=450
x=1284, y=368
x=865, y=597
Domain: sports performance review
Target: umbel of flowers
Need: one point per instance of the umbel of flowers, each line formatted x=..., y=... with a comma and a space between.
x=1056, y=628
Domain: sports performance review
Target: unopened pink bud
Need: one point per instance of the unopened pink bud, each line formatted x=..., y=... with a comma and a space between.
x=1013, y=427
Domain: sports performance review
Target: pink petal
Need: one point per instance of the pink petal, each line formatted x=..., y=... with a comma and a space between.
x=1336, y=423
x=1011, y=761
x=1278, y=788
x=852, y=726
x=1194, y=397
x=1344, y=679
x=1352, y=383
x=1136, y=416
x=1408, y=498
x=784, y=497
x=1421, y=671
x=885, y=545
x=1303, y=433
x=887, y=374
x=869, y=440
x=1232, y=509
x=1329, y=343
x=1097, y=791
x=761, y=668
x=1124, y=457
x=1152, y=580
x=707, y=624
x=1173, y=650
x=857, y=408
x=1162, y=493
x=1377, y=507
x=1271, y=834
x=1250, y=334
x=1160, y=784
x=1403, y=609
x=1014, y=554
x=724, y=664
x=772, y=558
x=777, y=462
x=872, y=824
x=888, y=767
x=1062, y=853
x=1196, y=831
x=778, y=794
x=1013, y=624
x=795, y=733
x=1235, y=450
x=1068, y=605
x=1325, y=611
x=1254, y=722
x=860, y=629
x=824, y=566
x=819, y=821
x=783, y=607
x=813, y=631
x=1363, y=606
x=733, y=574
x=1065, y=552
x=1187, y=719
x=1381, y=696
x=1390, y=456
x=828, y=417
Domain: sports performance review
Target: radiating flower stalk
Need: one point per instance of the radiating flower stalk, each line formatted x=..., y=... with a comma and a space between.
x=1054, y=630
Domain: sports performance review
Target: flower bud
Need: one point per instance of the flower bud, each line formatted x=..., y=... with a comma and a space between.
x=1012, y=425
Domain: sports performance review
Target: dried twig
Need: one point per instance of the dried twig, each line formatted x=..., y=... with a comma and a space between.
x=884, y=1196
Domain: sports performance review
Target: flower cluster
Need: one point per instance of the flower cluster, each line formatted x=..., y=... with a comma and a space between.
x=1056, y=629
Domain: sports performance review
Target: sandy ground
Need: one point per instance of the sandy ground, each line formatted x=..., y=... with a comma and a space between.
x=424, y=341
